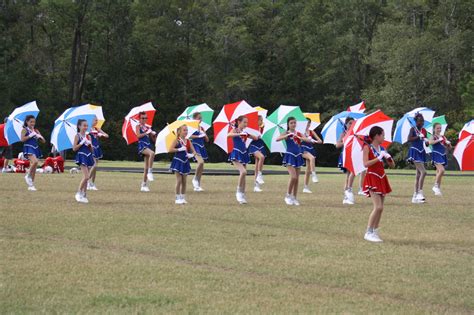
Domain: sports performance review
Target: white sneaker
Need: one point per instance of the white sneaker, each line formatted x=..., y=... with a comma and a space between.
x=306, y=190
x=93, y=186
x=314, y=177
x=183, y=199
x=413, y=199
x=144, y=188
x=295, y=201
x=347, y=201
x=288, y=200
x=84, y=199
x=361, y=192
x=4, y=170
x=78, y=197
x=81, y=198
x=257, y=188
x=31, y=188
x=437, y=191
x=196, y=184
x=419, y=197
x=259, y=178
x=242, y=200
x=149, y=176
x=372, y=237
x=179, y=200
x=350, y=195
x=28, y=180
x=198, y=189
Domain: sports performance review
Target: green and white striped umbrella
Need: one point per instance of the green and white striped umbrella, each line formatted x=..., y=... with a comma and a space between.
x=275, y=124
x=204, y=109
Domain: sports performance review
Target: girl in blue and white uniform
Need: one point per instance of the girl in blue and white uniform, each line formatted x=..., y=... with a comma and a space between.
x=30, y=137
x=240, y=155
x=84, y=158
x=417, y=156
x=293, y=159
x=440, y=146
x=180, y=165
x=199, y=139
x=309, y=154
x=258, y=150
x=95, y=134
x=145, y=137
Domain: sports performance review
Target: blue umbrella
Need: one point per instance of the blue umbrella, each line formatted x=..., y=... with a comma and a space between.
x=333, y=129
x=65, y=127
x=408, y=121
x=14, y=124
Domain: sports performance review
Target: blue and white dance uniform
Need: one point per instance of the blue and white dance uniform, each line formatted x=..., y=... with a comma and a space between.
x=30, y=146
x=258, y=145
x=180, y=163
x=438, y=153
x=308, y=146
x=239, y=152
x=293, y=155
x=199, y=145
x=95, y=144
x=417, y=153
x=144, y=142
x=84, y=155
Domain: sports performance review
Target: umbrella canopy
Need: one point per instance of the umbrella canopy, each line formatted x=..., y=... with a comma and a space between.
x=353, y=142
x=65, y=127
x=131, y=121
x=165, y=138
x=223, y=123
x=407, y=122
x=333, y=129
x=315, y=119
x=357, y=108
x=464, y=150
x=276, y=124
x=16, y=119
x=206, y=113
x=261, y=111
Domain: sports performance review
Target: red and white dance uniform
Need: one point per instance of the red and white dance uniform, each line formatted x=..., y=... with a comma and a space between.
x=375, y=179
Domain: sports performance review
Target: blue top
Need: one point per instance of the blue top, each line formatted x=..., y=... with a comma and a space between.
x=180, y=155
x=418, y=143
x=32, y=142
x=84, y=149
x=143, y=142
x=94, y=139
x=439, y=148
x=197, y=141
x=292, y=146
x=239, y=144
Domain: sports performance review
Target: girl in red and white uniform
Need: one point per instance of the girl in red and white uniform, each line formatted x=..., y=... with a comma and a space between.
x=376, y=183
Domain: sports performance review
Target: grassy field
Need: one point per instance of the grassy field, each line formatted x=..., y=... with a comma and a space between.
x=130, y=252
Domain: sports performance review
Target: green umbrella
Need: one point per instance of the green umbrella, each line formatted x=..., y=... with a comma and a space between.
x=204, y=109
x=275, y=124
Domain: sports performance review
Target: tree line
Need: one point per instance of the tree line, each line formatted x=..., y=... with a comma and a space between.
x=319, y=54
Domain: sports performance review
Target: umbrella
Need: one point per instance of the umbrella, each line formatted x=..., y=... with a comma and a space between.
x=441, y=120
x=14, y=124
x=353, y=141
x=3, y=140
x=65, y=127
x=223, y=123
x=333, y=129
x=275, y=125
x=166, y=136
x=315, y=119
x=206, y=113
x=132, y=120
x=261, y=111
x=464, y=150
x=357, y=108
x=407, y=122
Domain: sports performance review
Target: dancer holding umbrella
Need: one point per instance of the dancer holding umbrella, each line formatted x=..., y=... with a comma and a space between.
x=30, y=136
x=309, y=153
x=82, y=145
x=440, y=145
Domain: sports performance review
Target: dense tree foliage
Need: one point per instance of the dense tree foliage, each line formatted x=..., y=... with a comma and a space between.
x=321, y=55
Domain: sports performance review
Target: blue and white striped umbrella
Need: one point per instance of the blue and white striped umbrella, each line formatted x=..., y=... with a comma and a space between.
x=408, y=121
x=65, y=127
x=15, y=121
x=333, y=129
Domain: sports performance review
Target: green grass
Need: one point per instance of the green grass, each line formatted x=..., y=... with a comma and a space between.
x=130, y=252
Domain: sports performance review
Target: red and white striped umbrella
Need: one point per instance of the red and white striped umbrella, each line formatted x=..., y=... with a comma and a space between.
x=464, y=150
x=132, y=120
x=224, y=123
x=357, y=108
x=354, y=140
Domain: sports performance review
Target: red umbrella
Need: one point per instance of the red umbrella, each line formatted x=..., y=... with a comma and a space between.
x=354, y=140
x=464, y=150
x=224, y=123
x=3, y=140
x=132, y=120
